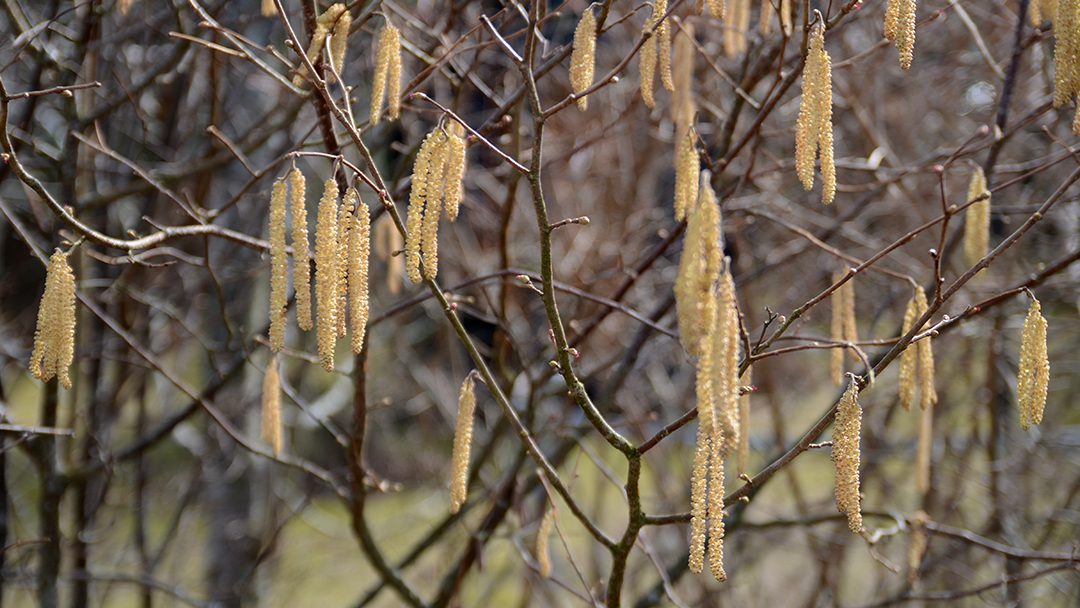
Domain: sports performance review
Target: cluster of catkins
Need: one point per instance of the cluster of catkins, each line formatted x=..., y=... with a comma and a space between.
x=437, y=185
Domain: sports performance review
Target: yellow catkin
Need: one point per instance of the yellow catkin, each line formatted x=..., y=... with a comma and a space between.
x=846, y=456
x=269, y=8
x=1033, y=376
x=905, y=35
x=663, y=46
x=927, y=390
x=924, y=450
x=1066, y=51
x=977, y=226
x=393, y=77
x=463, y=431
x=344, y=223
x=421, y=183
x=583, y=57
x=647, y=58
x=54, y=338
x=301, y=265
x=813, y=128
x=699, y=483
x=279, y=267
x=429, y=230
x=387, y=80
x=271, y=406
x=326, y=273
x=917, y=545
x=726, y=431
x=339, y=41
x=909, y=359
x=543, y=538
x=388, y=241
x=738, y=23
x=743, y=453
x=682, y=102
x=716, y=8
x=716, y=510
x=323, y=25
x=892, y=19
x=359, y=254
x=454, y=186
x=765, y=20
x=687, y=168
x=785, y=17
x=699, y=267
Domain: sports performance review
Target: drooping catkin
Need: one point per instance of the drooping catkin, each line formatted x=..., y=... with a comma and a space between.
x=388, y=241
x=279, y=267
x=583, y=57
x=977, y=226
x=543, y=542
x=663, y=46
x=54, y=337
x=706, y=407
x=900, y=28
x=726, y=431
x=323, y=25
x=738, y=21
x=716, y=8
x=426, y=157
x=463, y=430
x=699, y=267
x=647, y=58
x=429, y=230
x=387, y=80
x=339, y=41
x=716, y=508
x=682, y=98
x=846, y=456
x=1066, y=51
x=909, y=359
x=326, y=273
x=813, y=128
x=924, y=450
x=359, y=256
x=301, y=265
x=927, y=390
x=843, y=327
x=1033, y=376
x=271, y=406
x=269, y=9
x=344, y=222
x=454, y=182
x=687, y=168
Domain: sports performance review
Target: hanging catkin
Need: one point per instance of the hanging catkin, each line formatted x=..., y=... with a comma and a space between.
x=813, y=129
x=323, y=25
x=339, y=41
x=1066, y=51
x=326, y=273
x=726, y=367
x=301, y=264
x=765, y=18
x=927, y=390
x=699, y=268
x=388, y=241
x=977, y=227
x=1033, y=377
x=909, y=358
x=845, y=456
x=687, y=168
x=682, y=98
x=387, y=80
x=426, y=160
x=900, y=28
x=706, y=406
x=716, y=8
x=459, y=459
x=454, y=186
x=738, y=22
x=583, y=57
x=433, y=203
x=54, y=338
x=279, y=267
x=543, y=536
x=359, y=254
x=716, y=507
x=344, y=222
x=647, y=61
x=271, y=406
x=663, y=46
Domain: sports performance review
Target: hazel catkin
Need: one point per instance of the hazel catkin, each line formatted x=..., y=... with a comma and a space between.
x=54, y=337
x=454, y=175
x=463, y=430
x=844, y=327
x=339, y=41
x=271, y=406
x=699, y=268
x=813, y=128
x=687, y=168
x=543, y=542
x=583, y=57
x=426, y=157
x=387, y=79
x=359, y=257
x=647, y=59
x=1033, y=376
x=301, y=264
x=927, y=390
x=682, y=98
x=279, y=267
x=977, y=226
x=663, y=46
x=326, y=273
x=846, y=456
x=344, y=223
x=900, y=28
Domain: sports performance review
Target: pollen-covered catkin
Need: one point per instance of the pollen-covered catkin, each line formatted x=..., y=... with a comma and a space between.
x=706, y=408
x=429, y=230
x=726, y=367
x=393, y=77
x=716, y=8
x=344, y=222
x=927, y=390
x=543, y=538
x=687, y=168
x=900, y=28
x=813, y=128
x=279, y=267
x=647, y=58
x=326, y=273
x=716, y=509
x=323, y=25
x=699, y=267
x=271, y=406
x=339, y=41
x=387, y=73
x=846, y=456
x=54, y=338
x=1066, y=51
x=426, y=158
x=583, y=57
x=663, y=46
x=454, y=187
x=1033, y=377
x=301, y=264
x=977, y=227
x=682, y=102
x=909, y=359
x=359, y=257
x=459, y=459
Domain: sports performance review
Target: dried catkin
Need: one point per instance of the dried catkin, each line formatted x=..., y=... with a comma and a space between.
x=54, y=338
x=271, y=406
x=326, y=273
x=1066, y=51
x=977, y=227
x=927, y=390
x=682, y=102
x=583, y=57
x=845, y=456
x=459, y=460
x=359, y=254
x=389, y=241
x=699, y=267
x=454, y=186
x=909, y=359
x=269, y=9
x=1033, y=377
x=301, y=265
x=687, y=168
x=543, y=536
x=344, y=222
x=279, y=267
x=647, y=62
x=924, y=450
x=387, y=80
x=813, y=128
x=663, y=46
